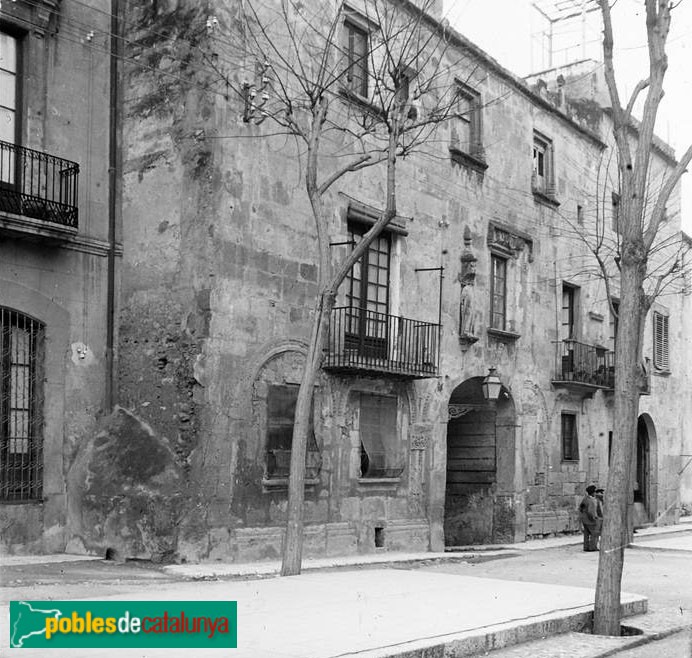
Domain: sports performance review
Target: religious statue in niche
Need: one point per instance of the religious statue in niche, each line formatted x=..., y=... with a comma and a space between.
x=467, y=279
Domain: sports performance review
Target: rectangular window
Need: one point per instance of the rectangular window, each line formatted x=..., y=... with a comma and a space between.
x=381, y=455
x=356, y=52
x=498, y=292
x=281, y=410
x=615, y=215
x=543, y=179
x=21, y=408
x=466, y=127
x=367, y=295
x=580, y=215
x=570, y=443
x=9, y=105
x=569, y=294
x=661, y=356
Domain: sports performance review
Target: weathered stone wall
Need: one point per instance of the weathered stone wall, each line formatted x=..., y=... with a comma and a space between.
x=219, y=282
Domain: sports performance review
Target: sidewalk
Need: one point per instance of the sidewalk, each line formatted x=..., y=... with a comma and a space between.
x=385, y=613
x=373, y=614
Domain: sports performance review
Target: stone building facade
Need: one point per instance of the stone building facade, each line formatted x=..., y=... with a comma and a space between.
x=56, y=251
x=482, y=268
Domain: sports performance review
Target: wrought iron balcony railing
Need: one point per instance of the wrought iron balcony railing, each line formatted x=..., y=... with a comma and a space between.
x=38, y=185
x=587, y=367
x=366, y=341
x=578, y=363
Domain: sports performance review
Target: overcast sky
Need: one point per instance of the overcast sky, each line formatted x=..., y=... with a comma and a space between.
x=510, y=31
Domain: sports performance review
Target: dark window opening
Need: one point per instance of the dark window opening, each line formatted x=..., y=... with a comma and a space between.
x=281, y=409
x=379, y=537
x=21, y=406
x=570, y=444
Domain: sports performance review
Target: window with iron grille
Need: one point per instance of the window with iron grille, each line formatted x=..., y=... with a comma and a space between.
x=381, y=454
x=661, y=355
x=281, y=410
x=367, y=296
x=21, y=406
x=498, y=292
x=355, y=47
x=570, y=443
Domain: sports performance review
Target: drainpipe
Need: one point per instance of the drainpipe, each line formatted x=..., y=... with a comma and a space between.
x=112, y=208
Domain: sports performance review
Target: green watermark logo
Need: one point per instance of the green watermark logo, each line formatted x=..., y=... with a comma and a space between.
x=124, y=624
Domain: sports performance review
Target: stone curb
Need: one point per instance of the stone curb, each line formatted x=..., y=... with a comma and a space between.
x=499, y=636
x=640, y=641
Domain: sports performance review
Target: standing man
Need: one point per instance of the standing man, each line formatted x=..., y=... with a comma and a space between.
x=588, y=514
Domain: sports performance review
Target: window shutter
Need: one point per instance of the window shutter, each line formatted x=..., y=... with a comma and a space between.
x=661, y=350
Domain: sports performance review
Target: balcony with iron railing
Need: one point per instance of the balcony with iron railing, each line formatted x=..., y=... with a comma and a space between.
x=38, y=193
x=586, y=368
x=367, y=342
x=583, y=367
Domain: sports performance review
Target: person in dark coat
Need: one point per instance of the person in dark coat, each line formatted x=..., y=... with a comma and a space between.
x=588, y=514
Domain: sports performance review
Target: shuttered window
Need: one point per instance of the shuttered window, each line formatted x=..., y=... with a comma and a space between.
x=661, y=354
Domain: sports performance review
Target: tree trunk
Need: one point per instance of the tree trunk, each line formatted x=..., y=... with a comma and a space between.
x=615, y=533
x=293, y=541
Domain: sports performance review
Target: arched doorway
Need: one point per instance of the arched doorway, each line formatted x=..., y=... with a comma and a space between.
x=644, y=484
x=479, y=494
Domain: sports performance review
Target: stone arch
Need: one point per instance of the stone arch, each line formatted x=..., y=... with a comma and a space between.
x=264, y=354
x=481, y=468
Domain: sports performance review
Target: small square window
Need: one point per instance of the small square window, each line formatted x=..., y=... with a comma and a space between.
x=570, y=443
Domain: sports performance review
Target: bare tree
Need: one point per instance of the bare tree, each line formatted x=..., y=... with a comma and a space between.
x=643, y=271
x=351, y=101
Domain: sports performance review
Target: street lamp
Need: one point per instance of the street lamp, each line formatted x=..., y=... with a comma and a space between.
x=491, y=386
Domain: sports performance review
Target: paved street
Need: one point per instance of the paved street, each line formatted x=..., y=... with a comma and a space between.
x=353, y=611
x=657, y=567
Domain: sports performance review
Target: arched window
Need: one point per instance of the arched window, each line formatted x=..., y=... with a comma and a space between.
x=21, y=406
